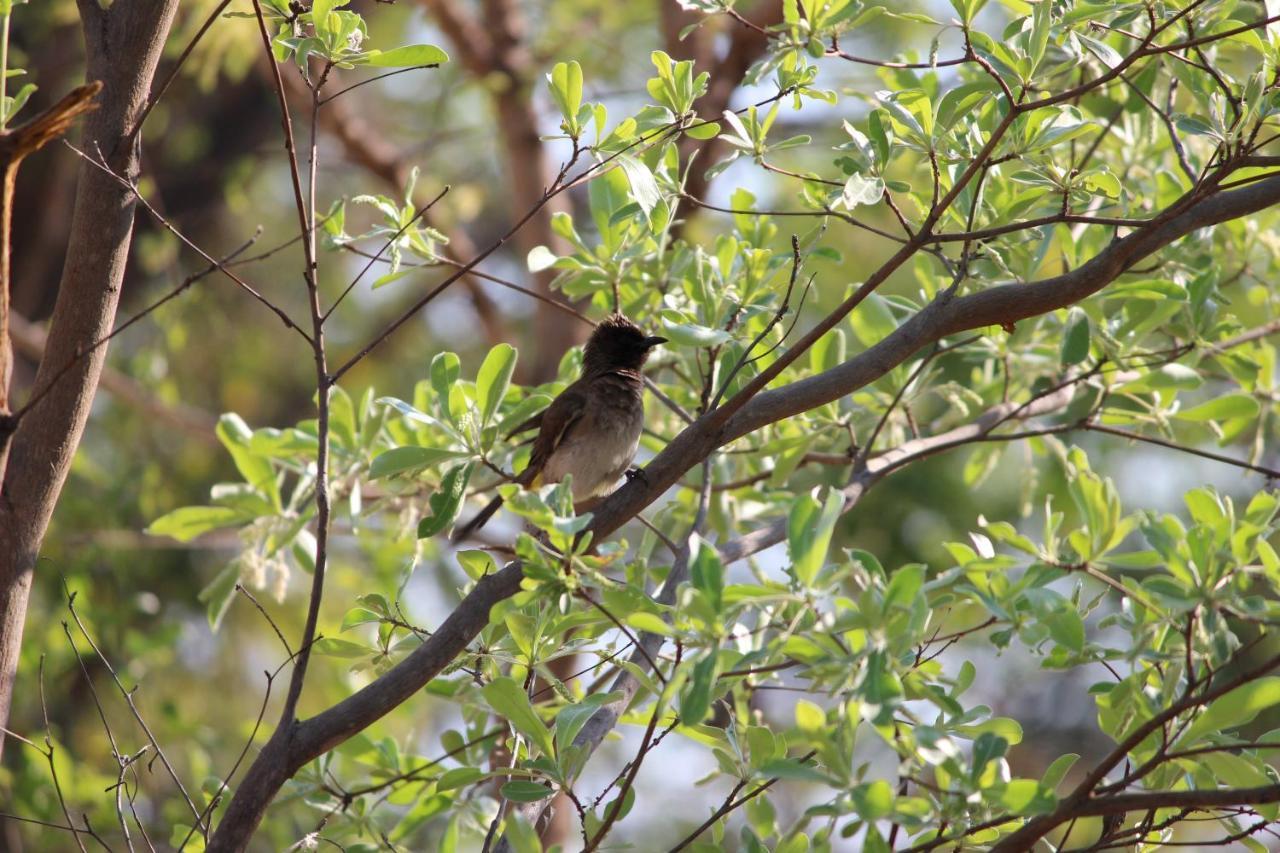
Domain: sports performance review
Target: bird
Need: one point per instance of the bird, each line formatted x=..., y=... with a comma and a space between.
x=591, y=430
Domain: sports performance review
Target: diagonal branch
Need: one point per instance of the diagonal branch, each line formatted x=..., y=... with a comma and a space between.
x=998, y=306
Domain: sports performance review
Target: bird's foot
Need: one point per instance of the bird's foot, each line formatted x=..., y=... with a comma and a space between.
x=636, y=474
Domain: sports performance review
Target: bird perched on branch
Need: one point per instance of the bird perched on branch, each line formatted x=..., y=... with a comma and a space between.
x=592, y=429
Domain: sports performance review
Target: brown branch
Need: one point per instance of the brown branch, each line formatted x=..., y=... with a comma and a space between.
x=306, y=207
x=122, y=47
x=15, y=145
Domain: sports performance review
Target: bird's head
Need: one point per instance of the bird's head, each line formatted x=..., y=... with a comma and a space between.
x=618, y=342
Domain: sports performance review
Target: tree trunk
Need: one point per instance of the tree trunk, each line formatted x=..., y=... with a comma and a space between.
x=122, y=45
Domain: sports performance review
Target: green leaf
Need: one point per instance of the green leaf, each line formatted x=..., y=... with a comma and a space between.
x=708, y=130
x=987, y=747
x=12, y=105
x=859, y=189
x=445, y=368
x=572, y=718
x=1058, y=770
x=608, y=194
x=423, y=810
x=872, y=321
x=809, y=529
x=1223, y=408
x=188, y=522
x=459, y=777
x=320, y=10
x=810, y=718
x=904, y=587
x=644, y=189
x=650, y=622
x=525, y=791
x=476, y=563
x=1103, y=51
x=521, y=834
x=696, y=701
x=1075, y=337
x=334, y=647
x=1060, y=616
x=565, y=83
x=358, y=616
x=508, y=699
x=1103, y=182
x=540, y=258
x=409, y=56
x=217, y=596
x=1026, y=797
x=706, y=572
x=1040, y=20
x=789, y=768
x=397, y=460
x=1235, y=709
x=444, y=504
x=691, y=335
x=494, y=378
x=1196, y=126
x=873, y=801
x=235, y=435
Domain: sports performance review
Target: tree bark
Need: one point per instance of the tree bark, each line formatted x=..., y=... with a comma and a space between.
x=122, y=46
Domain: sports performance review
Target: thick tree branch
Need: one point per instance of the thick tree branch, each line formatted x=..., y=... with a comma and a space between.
x=291, y=747
x=123, y=44
x=15, y=145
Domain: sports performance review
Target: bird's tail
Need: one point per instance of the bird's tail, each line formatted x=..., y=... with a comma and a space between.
x=479, y=521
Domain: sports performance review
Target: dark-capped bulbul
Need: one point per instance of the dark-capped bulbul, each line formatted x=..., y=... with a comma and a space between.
x=592, y=429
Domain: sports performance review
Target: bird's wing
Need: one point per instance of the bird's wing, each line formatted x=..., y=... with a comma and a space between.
x=556, y=423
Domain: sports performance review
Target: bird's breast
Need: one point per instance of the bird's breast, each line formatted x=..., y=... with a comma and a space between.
x=600, y=448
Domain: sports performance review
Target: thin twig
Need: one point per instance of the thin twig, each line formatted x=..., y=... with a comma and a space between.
x=173, y=294
x=49, y=751
x=341, y=92
x=172, y=229
x=1093, y=426
x=133, y=708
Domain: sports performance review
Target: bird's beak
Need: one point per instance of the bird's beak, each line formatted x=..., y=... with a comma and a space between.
x=653, y=341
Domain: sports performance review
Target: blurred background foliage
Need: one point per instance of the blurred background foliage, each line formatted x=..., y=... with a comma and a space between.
x=214, y=164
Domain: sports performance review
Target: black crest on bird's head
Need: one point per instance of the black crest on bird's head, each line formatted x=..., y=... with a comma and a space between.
x=618, y=342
